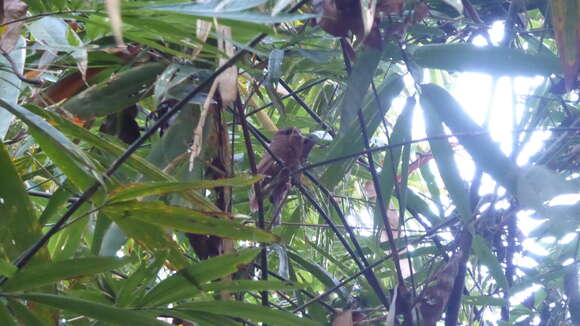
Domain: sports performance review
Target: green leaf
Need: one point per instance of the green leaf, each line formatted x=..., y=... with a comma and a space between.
x=250, y=285
x=186, y=282
x=243, y=16
x=357, y=88
x=134, y=287
x=57, y=201
x=151, y=237
x=317, y=271
x=94, y=310
x=485, y=152
x=202, y=318
x=244, y=310
x=24, y=314
x=6, y=318
x=136, y=162
x=186, y=220
x=401, y=133
x=55, y=35
x=500, y=61
x=116, y=94
x=63, y=152
x=7, y=269
x=445, y=159
x=484, y=254
x=137, y=190
x=10, y=84
x=350, y=140
x=34, y=276
x=19, y=228
x=538, y=184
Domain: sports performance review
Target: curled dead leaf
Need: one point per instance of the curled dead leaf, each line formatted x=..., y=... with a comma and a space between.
x=13, y=10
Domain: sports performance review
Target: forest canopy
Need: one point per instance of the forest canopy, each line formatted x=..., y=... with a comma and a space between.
x=283, y=162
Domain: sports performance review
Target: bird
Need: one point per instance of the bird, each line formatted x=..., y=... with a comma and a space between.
x=291, y=148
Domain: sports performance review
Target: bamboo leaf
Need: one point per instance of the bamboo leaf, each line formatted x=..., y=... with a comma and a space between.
x=244, y=310
x=68, y=157
x=445, y=159
x=484, y=254
x=401, y=133
x=94, y=310
x=350, y=141
x=137, y=190
x=472, y=137
x=122, y=91
x=499, y=61
x=186, y=282
x=186, y=220
x=19, y=227
x=34, y=276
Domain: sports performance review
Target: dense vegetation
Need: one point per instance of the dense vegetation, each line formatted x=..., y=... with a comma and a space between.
x=137, y=186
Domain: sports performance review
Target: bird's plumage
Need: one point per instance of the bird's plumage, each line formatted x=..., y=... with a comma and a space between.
x=291, y=148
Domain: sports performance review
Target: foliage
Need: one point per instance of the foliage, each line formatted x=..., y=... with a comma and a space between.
x=132, y=135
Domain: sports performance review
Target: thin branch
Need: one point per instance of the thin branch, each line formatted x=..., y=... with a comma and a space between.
x=299, y=90
x=308, y=294
x=306, y=108
x=380, y=199
x=373, y=282
x=373, y=265
x=257, y=191
x=8, y=58
x=420, y=140
x=25, y=257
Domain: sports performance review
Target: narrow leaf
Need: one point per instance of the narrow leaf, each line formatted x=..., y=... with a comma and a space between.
x=186, y=220
x=472, y=137
x=18, y=227
x=42, y=274
x=116, y=94
x=94, y=310
x=484, y=254
x=67, y=156
x=244, y=310
x=137, y=190
x=186, y=282
x=500, y=61
x=445, y=159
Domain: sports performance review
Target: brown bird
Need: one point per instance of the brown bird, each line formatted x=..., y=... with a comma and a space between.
x=291, y=148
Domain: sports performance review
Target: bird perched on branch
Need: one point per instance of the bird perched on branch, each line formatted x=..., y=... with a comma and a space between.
x=291, y=148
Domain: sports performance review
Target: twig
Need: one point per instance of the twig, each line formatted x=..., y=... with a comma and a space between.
x=373, y=265
x=380, y=199
x=308, y=294
x=306, y=108
x=373, y=282
x=8, y=58
x=420, y=140
x=257, y=191
x=25, y=257
x=299, y=90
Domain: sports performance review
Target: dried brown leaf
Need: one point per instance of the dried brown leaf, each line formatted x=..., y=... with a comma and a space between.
x=13, y=9
x=228, y=80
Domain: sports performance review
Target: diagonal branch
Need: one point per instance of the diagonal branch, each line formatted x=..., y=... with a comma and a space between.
x=27, y=255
